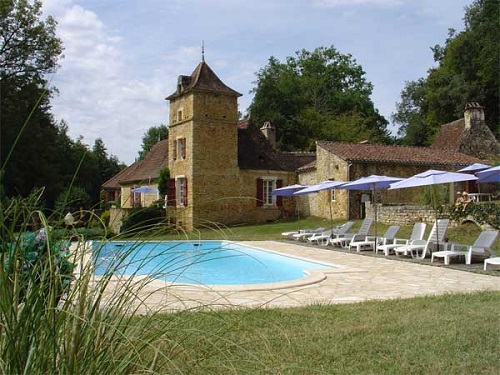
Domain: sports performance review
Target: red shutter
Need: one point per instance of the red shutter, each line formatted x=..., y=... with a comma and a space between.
x=185, y=192
x=171, y=192
x=174, y=150
x=279, y=198
x=260, y=192
x=132, y=203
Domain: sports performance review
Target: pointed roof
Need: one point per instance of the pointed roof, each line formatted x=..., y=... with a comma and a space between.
x=203, y=78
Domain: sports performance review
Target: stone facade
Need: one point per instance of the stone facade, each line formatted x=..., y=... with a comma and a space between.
x=204, y=115
x=349, y=162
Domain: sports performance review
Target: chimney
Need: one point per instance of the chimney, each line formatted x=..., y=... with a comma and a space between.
x=270, y=133
x=473, y=113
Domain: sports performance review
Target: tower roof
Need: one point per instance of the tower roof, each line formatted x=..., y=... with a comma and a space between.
x=202, y=78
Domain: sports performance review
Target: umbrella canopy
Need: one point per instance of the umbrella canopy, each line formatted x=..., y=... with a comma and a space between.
x=288, y=191
x=474, y=167
x=432, y=177
x=489, y=175
x=145, y=190
x=324, y=185
x=372, y=183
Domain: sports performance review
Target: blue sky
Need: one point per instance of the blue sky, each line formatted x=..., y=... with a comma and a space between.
x=123, y=57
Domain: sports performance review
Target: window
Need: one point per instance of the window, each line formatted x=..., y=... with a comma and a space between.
x=332, y=194
x=179, y=115
x=265, y=187
x=181, y=191
x=182, y=148
x=179, y=149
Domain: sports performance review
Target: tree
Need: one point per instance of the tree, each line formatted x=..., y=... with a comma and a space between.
x=28, y=45
x=152, y=136
x=312, y=96
x=109, y=166
x=29, y=49
x=467, y=71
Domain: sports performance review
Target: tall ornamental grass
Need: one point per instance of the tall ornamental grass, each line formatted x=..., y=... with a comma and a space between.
x=56, y=317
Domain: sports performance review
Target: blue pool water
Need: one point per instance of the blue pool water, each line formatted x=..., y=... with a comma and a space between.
x=200, y=262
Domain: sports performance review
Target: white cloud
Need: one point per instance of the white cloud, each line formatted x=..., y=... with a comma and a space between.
x=122, y=58
x=335, y=3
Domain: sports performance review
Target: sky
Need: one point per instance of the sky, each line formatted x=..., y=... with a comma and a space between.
x=122, y=57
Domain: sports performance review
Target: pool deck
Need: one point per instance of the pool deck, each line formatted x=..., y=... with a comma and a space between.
x=358, y=278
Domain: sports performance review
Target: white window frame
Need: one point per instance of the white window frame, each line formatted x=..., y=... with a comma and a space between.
x=180, y=111
x=180, y=149
x=332, y=195
x=180, y=187
x=268, y=185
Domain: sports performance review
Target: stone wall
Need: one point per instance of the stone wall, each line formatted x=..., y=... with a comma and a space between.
x=401, y=215
x=116, y=218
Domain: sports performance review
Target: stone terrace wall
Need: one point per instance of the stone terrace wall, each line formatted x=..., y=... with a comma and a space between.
x=401, y=215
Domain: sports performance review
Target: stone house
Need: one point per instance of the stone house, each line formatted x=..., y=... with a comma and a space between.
x=350, y=161
x=144, y=172
x=224, y=170
x=469, y=135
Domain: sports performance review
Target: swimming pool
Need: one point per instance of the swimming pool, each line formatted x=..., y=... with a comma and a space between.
x=200, y=262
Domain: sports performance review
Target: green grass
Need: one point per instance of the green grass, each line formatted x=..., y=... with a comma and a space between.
x=456, y=334
x=465, y=234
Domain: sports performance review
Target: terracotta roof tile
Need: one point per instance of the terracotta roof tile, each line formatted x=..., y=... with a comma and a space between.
x=255, y=152
x=202, y=78
x=376, y=153
x=143, y=170
x=450, y=136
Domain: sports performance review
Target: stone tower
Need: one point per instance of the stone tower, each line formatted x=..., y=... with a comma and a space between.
x=203, y=144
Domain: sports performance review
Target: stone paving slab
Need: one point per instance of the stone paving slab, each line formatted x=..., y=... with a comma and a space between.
x=358, y=278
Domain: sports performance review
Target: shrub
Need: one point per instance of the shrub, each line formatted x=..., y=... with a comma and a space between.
x=143, y=218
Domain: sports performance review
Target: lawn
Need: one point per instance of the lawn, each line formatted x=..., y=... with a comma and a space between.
x=452, y=334
x=457, y=334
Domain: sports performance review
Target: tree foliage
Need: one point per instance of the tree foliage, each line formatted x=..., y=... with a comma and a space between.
x=467, y=71
x=153, y=135
x=316, y=95
x=28, y=45
x=35, y=151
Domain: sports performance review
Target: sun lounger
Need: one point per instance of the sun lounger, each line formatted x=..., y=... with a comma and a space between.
x=323, y=238
x=417, y=233
x=344, y=240
x=495, y=261
x=369, y=241
x=481, y=246
x=302, y=236
x=420, y=248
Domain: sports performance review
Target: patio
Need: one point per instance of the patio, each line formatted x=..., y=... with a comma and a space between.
x=360, y=277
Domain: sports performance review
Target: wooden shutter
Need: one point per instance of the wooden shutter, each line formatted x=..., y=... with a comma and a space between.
x=171, y=192
x=260, y=192
x=132, y=200
x=279, y=198
x=174, y=150
x=185, y=192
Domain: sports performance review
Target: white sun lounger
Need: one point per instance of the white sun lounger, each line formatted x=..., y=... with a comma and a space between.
x=436, y=236
x=417, y=233
x=481, y=246
x=369, y=241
